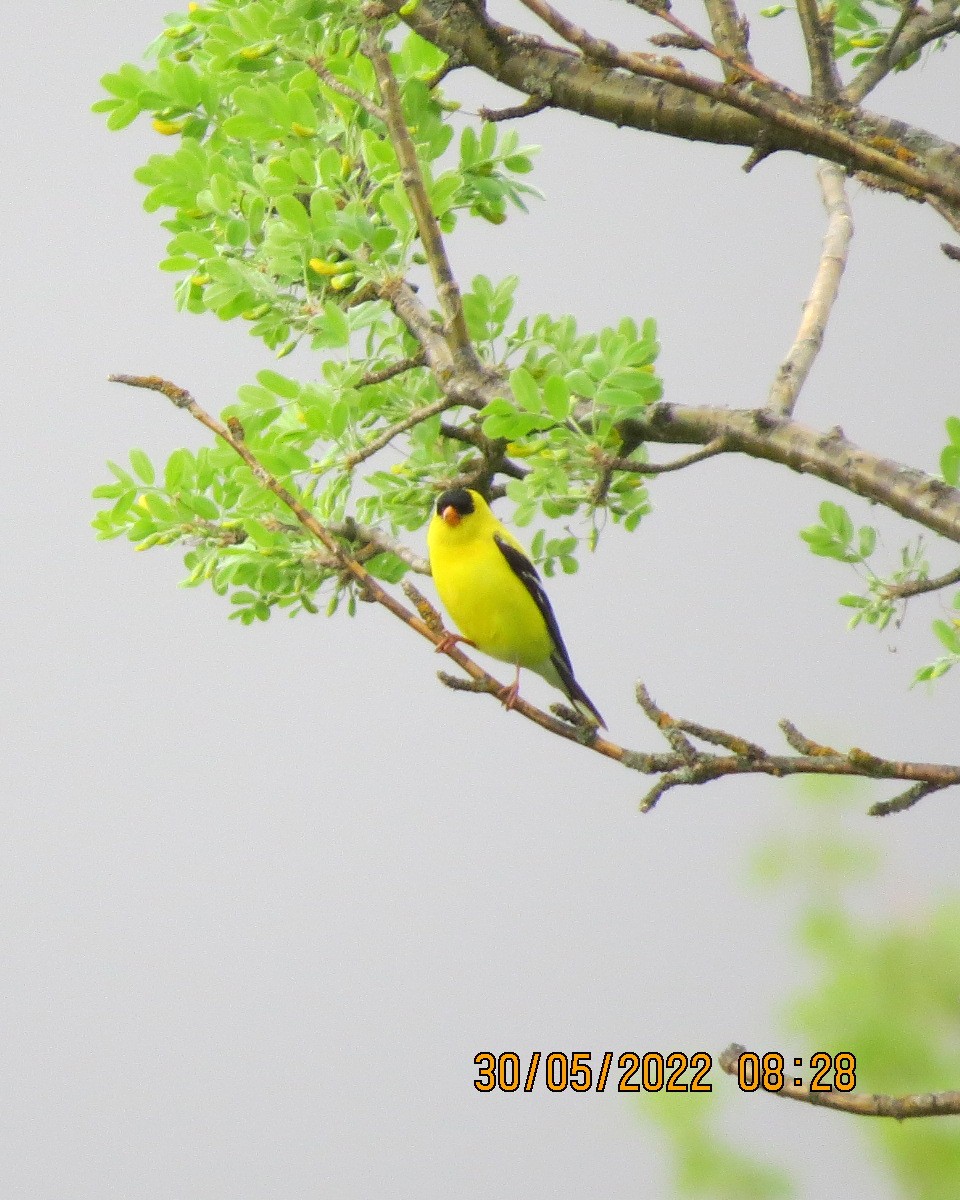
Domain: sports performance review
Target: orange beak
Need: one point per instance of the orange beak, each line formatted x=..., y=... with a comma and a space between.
x=451, y=516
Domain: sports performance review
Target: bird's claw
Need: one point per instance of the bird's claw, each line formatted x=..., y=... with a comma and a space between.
x=449, y=640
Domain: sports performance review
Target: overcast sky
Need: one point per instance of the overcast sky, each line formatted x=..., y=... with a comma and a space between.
x=265, y=892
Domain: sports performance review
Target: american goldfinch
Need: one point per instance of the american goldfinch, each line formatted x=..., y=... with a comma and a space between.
x=494, y=595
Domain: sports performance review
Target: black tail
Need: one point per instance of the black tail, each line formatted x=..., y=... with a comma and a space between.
x=577, y=696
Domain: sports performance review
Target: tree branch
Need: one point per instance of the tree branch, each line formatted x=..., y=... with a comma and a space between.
x=831, y=456
x=913, y=30
x=386, y=436
x=818, y=41
x=917, y=587
x=326, y=76
x=931, y=1104
x=673, y=101
x=683, y=765
x=448, y=293
x=392, y=370
x=735, y=68
x=795, y=368
x=688, y=766
x=711, y=450
x=730, y=30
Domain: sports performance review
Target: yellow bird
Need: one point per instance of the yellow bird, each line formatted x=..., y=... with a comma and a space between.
x=494, y=595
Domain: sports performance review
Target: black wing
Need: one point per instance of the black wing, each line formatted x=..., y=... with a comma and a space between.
x=526, y=572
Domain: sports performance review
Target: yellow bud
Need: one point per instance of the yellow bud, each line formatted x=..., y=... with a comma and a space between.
x=200, y=279
x=302, y=130
x=253, y=52
x=410, y=7
x=167, y=128
x=179, y=31
x=340, y=283
x=254, y=314
x=525, y=449
x=321, y=267
x=141, y=502
x=192, y=6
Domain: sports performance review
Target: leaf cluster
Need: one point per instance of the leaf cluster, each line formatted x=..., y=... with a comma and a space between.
x=885, y=594
x=288, y=210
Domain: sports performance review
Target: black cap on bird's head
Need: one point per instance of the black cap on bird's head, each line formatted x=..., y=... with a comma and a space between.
x=454, y=505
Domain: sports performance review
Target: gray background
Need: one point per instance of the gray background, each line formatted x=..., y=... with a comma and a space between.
x=265, y=892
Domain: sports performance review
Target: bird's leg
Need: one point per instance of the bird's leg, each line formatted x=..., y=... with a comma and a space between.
x=449, y=640
x=509, y=695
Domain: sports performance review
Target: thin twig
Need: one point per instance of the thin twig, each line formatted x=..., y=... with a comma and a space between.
x=929, y=1104
x=392, y=370
x=917, y=587
x=379, y=541
x=914, y=29
x=454, y=63
x=448, y=293
x=326, y=76
x=711, y=450
x=532, y=104
x=387, y=435
x=793, y=371
x=733, y=65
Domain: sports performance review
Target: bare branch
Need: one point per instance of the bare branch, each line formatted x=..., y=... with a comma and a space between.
x=759, y=433
x=930, y=1104
x=448, y=293
x=917, y=587
x=730, y=29
x=392, y=370
x=711, y=450
x=532, y=104
x=818, y=41
x=646, y=64
x=685, y=104
x=689, y=766
x=795, y=368
x=369, y=537
x=731, y=45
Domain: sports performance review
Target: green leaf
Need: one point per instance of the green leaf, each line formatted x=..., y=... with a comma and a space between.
x=950, y=464
x=293, y=212
x=949, y=635
x=279, y=384
x=525, y=390
x=140, y=461
x=836, y=518
x=335, y=325
x=867, y=540
x=556, y=397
